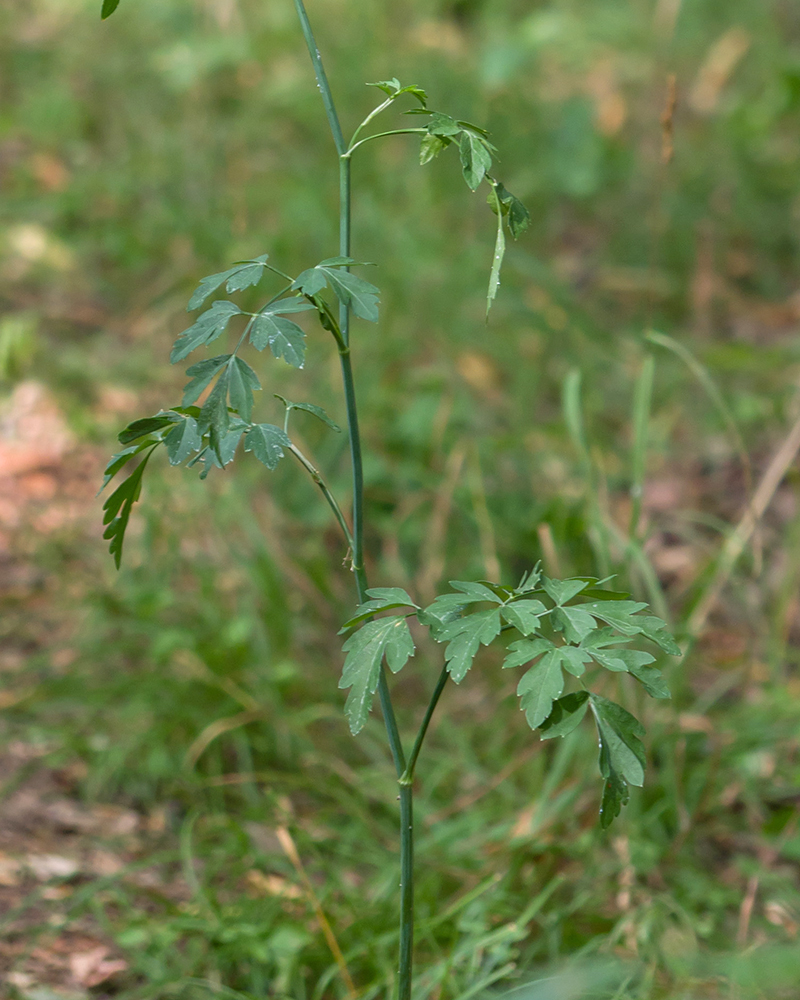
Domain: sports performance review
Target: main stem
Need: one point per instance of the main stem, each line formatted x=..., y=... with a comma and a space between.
x=406, y=792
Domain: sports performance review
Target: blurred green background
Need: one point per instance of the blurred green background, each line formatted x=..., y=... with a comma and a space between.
x=643, y=353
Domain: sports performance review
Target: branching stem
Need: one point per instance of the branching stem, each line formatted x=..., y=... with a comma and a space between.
x=393, y=733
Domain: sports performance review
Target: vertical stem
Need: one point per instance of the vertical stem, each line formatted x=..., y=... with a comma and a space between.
x=322, y=80
x=406, y=891
x=393, y=733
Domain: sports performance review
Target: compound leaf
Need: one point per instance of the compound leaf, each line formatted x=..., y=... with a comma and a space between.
x=267, y=442
x=540, y=686
x=464, y=637
x=201, y=375
x=365, y=650
x=566, y=715
x=206, y=328
x=285, y=338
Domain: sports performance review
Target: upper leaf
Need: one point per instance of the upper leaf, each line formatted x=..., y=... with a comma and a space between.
x=236, y=278
x=365, y=650
x=207, y=327
x=394, y=89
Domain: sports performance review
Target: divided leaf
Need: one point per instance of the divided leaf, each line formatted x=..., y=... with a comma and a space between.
x=523, y=615
x=206, y=328
x=567, y=714
x=394, y=89
x=285, y=338
x=352, y=291
x=573, y=622
x=365, y=650
x=622, y=756
x=182, y=440
x=243, y=380
x=117, y=508
x=540, y=686
x=381, y=599
x=201, y=375
x=235, y=279
x=267, y=442
x=511, y=208
x=475, y=157
x=561, y=591
x=121, y=459
x=147, y=425
x=464, y=637
x=431, y=146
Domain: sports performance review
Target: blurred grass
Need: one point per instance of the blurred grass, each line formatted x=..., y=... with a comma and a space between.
x=140, y=154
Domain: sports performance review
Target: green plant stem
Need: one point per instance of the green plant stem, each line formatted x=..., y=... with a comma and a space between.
x=407, y=777
x=381, y=135
x=322, y=80
x=334, y=506
x=393, y=733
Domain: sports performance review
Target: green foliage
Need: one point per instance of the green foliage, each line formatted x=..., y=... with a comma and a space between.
x=563, y=636
x=352, y=291
x=387, y=637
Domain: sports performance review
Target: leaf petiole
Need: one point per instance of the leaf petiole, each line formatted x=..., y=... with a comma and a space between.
x=380, y=135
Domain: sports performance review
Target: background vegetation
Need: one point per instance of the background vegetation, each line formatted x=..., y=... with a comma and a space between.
x=160, y=725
